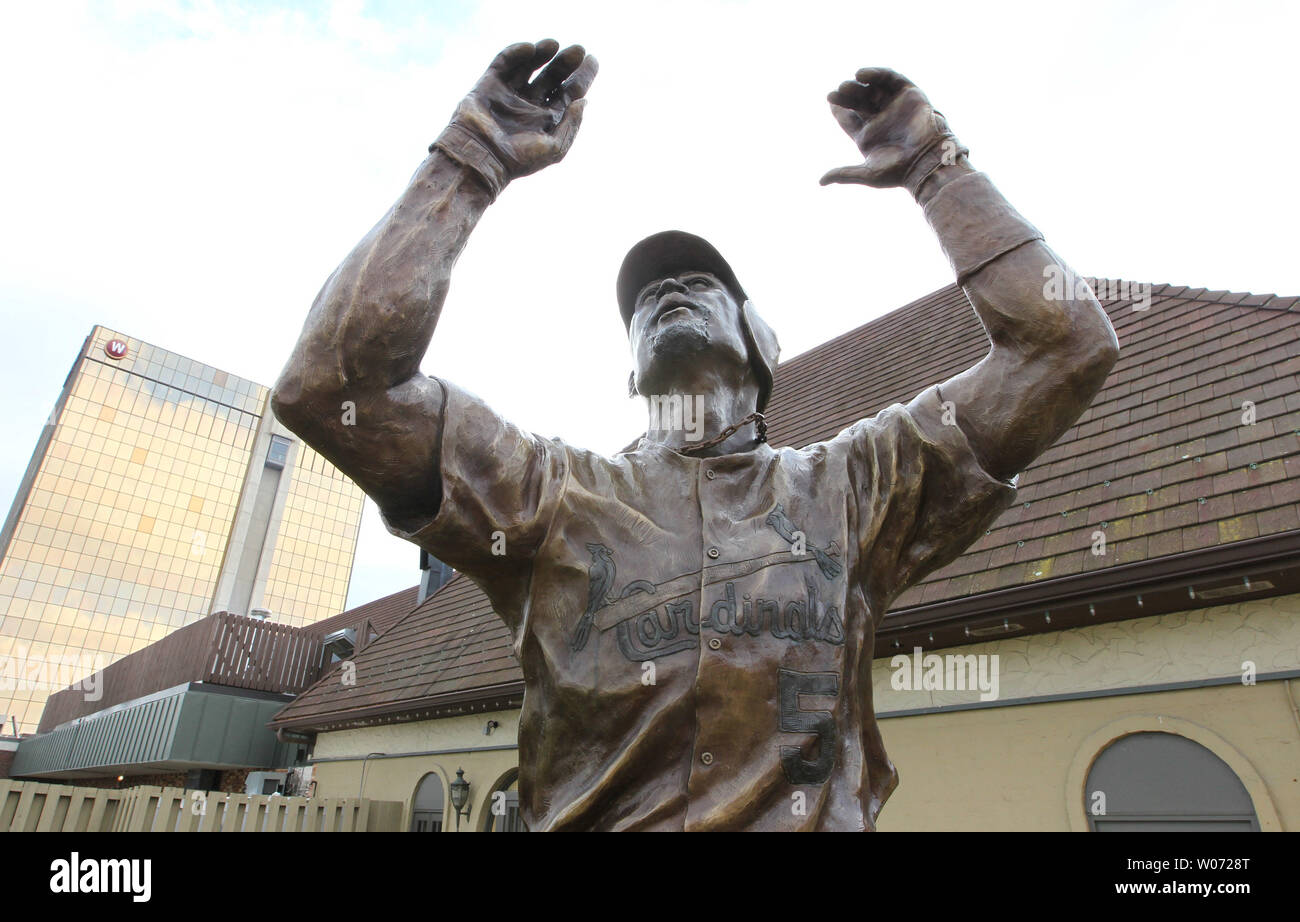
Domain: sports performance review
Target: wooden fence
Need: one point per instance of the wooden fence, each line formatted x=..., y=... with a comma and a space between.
x=263, y=655
x=27, y=806
x=222, y=649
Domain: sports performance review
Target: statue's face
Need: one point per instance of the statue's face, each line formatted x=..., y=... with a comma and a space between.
x=679, y=324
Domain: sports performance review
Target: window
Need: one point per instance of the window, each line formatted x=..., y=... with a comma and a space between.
x=278, y=454
x=1162, y=782
x=428, y=808
x=503, y=806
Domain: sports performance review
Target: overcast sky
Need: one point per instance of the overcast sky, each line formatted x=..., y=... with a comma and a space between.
x=190, y=173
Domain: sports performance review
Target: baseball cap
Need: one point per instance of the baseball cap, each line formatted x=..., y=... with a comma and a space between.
x=666, y=254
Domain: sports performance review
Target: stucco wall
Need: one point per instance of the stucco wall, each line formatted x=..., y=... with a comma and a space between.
x=1025, y=767
x=455, y=742
x=1180, y=647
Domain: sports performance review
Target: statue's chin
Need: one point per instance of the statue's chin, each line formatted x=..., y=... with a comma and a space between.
x=674, y=345
x=686, y=336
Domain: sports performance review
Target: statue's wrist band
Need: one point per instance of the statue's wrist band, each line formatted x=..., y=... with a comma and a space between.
x=942, y=151
x=975, y=224
x=458, y=143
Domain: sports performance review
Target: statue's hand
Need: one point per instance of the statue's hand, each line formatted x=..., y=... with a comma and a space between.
x=892, y=123
x=528, y=126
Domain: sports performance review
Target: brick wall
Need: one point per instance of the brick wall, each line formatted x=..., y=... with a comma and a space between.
x=232, y=782
x=228, y=782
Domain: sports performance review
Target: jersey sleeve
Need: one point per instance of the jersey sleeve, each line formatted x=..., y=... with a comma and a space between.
x=922, y=495
x=501, y=487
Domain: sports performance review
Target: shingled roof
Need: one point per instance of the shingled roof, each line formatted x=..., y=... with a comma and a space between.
x=382, y=613
x=1162, y=463
x=450, y=650
x=1164, y=434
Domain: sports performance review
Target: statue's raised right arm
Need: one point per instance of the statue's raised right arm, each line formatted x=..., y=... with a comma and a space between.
x=352, y=387
x=1051, y=343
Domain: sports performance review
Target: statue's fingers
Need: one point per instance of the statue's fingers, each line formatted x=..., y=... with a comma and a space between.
x=568, y=126
x=559, y=70
x=847, y=174
x=850, y=119
x=577, y=85
x=850, y=94
x=512, y=58
x=517, y=75
x=883, y=77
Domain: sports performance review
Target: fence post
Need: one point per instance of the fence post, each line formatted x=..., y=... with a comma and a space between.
x=30, y=801
x=101, y=816
x=214, y=812
x=275, y=815
x=76, y=806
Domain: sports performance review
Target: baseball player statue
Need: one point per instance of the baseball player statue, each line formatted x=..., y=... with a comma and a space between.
x=695, y=618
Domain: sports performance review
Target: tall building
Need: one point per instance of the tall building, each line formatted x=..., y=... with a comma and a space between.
x=161, y=490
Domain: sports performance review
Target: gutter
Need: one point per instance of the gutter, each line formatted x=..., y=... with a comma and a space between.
x=1201, y=566
x=409, y=709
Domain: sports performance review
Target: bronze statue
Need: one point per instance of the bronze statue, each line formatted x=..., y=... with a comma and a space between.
x=695, y=617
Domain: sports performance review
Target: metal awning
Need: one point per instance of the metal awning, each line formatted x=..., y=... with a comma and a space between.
x=189, y=726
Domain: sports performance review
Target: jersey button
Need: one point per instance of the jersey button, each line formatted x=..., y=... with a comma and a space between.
x=715, y=644
x=713, y=553
x=706, y=758
x=710, y=474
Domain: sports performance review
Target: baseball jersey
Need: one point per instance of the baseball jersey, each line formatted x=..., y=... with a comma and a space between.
x=696, y=634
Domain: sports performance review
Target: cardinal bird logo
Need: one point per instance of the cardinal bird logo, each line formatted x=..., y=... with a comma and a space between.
x=782, y=525
x=600, y=582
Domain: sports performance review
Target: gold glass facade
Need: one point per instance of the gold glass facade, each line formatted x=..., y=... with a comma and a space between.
x=120, y=528
x=309, y=572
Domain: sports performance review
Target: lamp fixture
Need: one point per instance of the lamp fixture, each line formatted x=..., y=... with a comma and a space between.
x=460, y=797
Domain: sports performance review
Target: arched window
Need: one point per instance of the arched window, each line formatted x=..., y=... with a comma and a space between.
x=503, y=806
x=428, y=809
x=1153, y=782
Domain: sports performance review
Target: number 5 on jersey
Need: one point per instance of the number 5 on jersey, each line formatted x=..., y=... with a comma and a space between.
x=799, y=770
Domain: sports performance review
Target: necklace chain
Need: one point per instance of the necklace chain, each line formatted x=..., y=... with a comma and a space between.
x=728, y=432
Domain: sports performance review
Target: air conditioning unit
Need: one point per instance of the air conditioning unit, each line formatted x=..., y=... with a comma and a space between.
x=265, y=782
x=341, y=644
x=261, y=614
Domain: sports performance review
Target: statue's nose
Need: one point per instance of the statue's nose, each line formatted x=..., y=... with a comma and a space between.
x=668, y=285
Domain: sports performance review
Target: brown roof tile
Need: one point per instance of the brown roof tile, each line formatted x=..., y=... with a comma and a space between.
x=382, y=613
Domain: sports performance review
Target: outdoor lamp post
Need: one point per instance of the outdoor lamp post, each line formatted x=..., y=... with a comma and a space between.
x=460, y=796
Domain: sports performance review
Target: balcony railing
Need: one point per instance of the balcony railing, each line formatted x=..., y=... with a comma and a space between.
x=222, y=649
